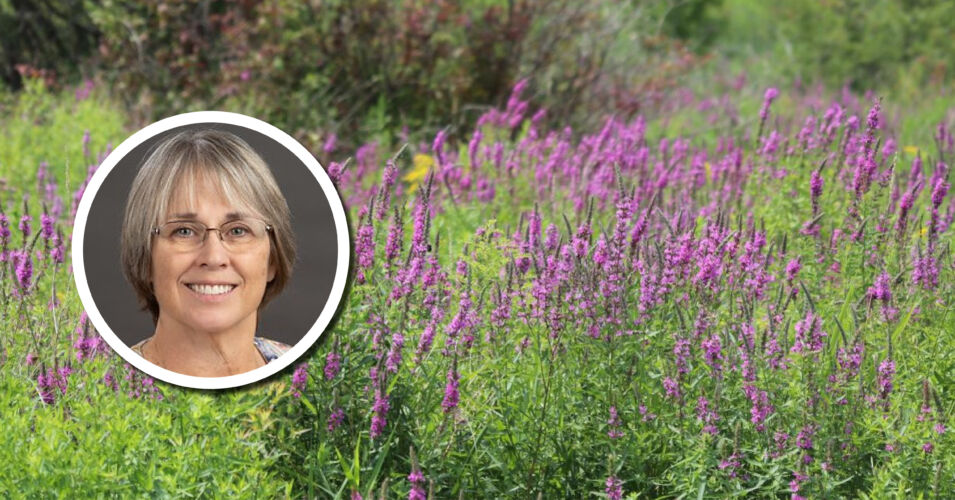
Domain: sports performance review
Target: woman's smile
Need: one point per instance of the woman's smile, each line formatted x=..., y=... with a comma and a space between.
x=212, y=293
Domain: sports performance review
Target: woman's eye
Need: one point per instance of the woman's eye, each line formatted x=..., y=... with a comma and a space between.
x=183, y=232
x=238, y=231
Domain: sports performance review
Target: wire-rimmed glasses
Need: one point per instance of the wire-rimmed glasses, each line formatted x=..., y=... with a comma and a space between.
x=236, y=235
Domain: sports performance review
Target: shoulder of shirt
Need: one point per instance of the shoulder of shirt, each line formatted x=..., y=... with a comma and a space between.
x=269, y=346
x=138, y=347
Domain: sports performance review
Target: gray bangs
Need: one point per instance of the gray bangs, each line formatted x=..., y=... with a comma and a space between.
x=186, y=184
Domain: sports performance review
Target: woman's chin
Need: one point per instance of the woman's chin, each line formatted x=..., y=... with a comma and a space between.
x=213, y=325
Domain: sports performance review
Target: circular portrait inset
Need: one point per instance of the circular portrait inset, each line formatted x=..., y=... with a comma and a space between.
x=210, y=250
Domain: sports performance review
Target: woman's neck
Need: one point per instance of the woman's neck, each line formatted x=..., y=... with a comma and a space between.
x=185, y=350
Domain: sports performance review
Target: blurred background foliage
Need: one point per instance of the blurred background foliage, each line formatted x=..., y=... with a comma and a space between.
x=362, y=68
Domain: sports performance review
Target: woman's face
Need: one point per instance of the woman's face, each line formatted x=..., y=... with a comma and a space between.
x=210, y=289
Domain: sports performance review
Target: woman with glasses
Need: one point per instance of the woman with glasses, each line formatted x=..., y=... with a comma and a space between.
x=206, y=243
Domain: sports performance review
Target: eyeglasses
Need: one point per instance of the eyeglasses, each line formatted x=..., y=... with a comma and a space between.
x=237, y=235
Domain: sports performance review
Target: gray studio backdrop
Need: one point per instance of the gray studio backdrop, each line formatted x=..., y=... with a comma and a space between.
x=289, y=316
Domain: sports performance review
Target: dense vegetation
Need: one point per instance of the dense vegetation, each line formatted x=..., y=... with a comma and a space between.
x=694, y=264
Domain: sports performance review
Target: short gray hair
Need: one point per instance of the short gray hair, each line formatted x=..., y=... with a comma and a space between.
x=235, y=168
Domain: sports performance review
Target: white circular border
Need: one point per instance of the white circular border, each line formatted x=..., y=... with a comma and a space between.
x=341, y=271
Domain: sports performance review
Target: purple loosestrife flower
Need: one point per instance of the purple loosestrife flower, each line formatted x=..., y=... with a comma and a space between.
x=462, y=320
x=473, y=148
x=712, y=352
x=45, y=384
x=850, y=361
x=335, y=419
x=768, y=98
x=804, y=137
x=393, y=360
x=760, y=410
x=438, y=146
x=299, y=378
x=732, y=463
x=388, y=181
x=552, y=238
x=4, y=230
x=925, y=271
x=110, y=380
x=782, y=441
x=57, y=251
x=939, y=190
x=364, y=250
x=882, y=292
x=451, y=394
x=792, y=269
x=886, y=371
x=770, y=145
x=809, y=334
x=416, y=478
x=53, y=381
x=889, y=148
x=46, y=222
x=24, y=270
x=600, y=253
x=419, y=237
x=427, y=338
x=804, y=438
x=379, y=414
x=534, y=230
x=581, y=241
x=330, y=143
x=25, y=225
x=671, y=388
x=614, y=423
x=815, y=189
x=394, y=241
x=681, y=352
x=333, y=365
x=335, y=172
x=706, y=414
x=614, y=488
x=751, y=266
x=872, y=121
x=905, y=205
x=88, y=343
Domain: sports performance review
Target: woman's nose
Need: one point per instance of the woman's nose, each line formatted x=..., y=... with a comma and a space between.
x=213, y=252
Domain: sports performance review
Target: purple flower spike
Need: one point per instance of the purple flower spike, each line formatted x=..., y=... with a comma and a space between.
x=299, y=378
x=614, y=488
x=333, y=363
x=46, y=223
x=451, y=394
x=25, y=225
x=25, y=270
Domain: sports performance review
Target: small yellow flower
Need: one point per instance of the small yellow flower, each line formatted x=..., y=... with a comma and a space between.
x=421, y=163
x=912, y=150
x=709, y=170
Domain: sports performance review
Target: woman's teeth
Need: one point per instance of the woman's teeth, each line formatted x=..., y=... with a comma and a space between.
x=211, y=289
